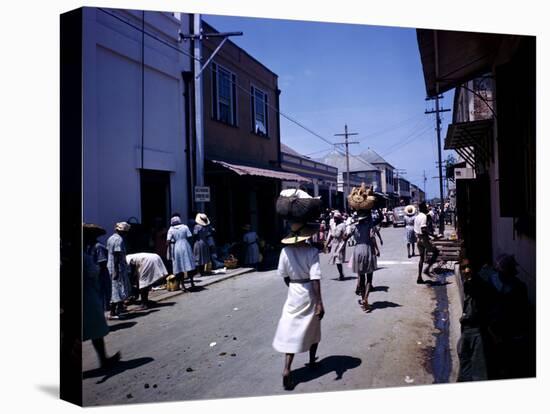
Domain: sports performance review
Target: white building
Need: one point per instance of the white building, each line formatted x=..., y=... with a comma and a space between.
x=135, y=115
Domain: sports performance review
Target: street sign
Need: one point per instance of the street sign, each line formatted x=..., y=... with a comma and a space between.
x=202, y=194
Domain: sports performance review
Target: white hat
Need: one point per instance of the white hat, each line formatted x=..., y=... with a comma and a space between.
x=202, y=219
x=122, y=226
x=175, y=221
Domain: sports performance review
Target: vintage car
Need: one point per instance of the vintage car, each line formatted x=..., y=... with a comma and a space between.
x=399, y=216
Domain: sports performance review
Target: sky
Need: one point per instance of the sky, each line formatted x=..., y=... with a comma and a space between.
x=332, y=74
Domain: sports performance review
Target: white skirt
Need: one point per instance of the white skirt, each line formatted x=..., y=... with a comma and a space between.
x=298, y=327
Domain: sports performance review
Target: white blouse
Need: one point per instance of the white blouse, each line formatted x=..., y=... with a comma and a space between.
x=299, y=263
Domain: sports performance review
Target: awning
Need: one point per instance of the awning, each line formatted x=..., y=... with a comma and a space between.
x=465, y=137
x=262, y=172
x=452, y=57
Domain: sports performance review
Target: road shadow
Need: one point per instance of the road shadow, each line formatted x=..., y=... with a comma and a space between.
x=196, y=289
x=160, y=304
x=338, y=364
x=344, y=278
x=119, y=326
x=137, y=314
x=52, y=390
x=380, y=289
x=432, y=283
x=380, y=267
x=383, y=304
x=117, y=369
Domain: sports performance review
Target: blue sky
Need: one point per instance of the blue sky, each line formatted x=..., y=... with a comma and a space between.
x=330, y=74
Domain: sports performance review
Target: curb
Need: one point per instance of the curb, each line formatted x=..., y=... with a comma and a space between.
x=169, y=295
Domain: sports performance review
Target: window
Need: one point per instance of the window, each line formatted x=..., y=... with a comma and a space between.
x=259, y=111
x=224, y=95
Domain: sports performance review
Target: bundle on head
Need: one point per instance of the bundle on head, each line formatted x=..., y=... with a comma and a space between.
x=362, y=198
x=297, y=205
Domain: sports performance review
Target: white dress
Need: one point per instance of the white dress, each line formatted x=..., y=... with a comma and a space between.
x=298, y=327
x=149, y=267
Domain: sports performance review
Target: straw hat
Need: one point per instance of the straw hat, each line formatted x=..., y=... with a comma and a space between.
x=93, y=230
x=300, y=232
x=410, y=210
x=246, y=227
x=122, y=226
x=202, y=219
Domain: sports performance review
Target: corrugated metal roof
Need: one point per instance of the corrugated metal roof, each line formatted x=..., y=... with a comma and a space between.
x=287, y=150
x=373, y=157
x=262, y=172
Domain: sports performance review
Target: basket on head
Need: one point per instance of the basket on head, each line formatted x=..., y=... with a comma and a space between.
x=297, y=205
x=362, y=198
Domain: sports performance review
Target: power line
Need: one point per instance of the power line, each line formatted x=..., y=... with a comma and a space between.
x=398, y=125
x=417, y=134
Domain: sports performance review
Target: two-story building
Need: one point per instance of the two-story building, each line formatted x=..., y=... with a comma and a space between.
x=242, y=142
x=388, y=185
x=323, y=177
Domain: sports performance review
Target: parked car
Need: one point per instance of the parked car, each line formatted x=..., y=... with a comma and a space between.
x=399, y=216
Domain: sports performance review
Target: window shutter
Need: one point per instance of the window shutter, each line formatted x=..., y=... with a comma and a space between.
x=234, y=98
x=215, y=91
x=252, y=110
x=266, y=117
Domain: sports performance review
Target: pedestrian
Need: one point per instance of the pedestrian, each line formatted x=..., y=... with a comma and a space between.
x=337, y=241
x=424, y=243
x=299, y=328
x=201, y=249
x=410, y=235
x=118, y=269
x=94, y=326
x=179, y=251
x=98, y=252
x=251, y=247
x=147, y=268
x=364, y=261
x=322, y=232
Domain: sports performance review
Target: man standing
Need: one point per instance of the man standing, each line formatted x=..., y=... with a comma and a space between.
x=424, y=243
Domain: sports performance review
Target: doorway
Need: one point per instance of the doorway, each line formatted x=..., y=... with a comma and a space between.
x=155, y=197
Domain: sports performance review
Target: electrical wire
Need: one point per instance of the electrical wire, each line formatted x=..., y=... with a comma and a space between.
x=394, y=127
x=418, y=134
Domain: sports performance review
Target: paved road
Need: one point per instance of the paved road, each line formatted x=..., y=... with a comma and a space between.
x=169, y=352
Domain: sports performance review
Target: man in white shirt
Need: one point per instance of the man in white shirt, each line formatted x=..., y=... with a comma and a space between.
x=424, y=244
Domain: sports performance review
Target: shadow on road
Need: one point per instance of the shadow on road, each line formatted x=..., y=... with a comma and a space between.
x=383, y=304
x=344, y=279
x=119, y=368
x=52, y=390
x=137, y=314
x=338, y=364
x=161, y=304
x=380, y=289
x=123, y=325
x=431, y=283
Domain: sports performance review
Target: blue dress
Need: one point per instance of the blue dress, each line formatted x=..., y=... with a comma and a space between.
x=410, y=235
x=181, y=253
x=201, y=250
x=121, y=287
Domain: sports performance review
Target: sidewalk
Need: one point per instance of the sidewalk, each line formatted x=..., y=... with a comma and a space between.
x=200, y=281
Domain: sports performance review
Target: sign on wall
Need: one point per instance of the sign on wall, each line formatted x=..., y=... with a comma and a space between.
x=202, y=194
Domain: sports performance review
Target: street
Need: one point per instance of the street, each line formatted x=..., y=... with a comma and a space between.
x=216, y=343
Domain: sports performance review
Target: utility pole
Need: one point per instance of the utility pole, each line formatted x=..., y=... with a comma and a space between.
x=397, y=172
x=197, y=36
x=346, y=134
x=424, y=174
x=437, y=111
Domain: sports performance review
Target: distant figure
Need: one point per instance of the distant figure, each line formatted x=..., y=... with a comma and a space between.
x=118, y=269
x=424, y=243
x=252, y=249
x=201, y=249
x=337, y=241
x=180, y=252
x=410, y=235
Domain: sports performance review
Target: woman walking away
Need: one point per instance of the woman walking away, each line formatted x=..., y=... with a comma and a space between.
x=118, y=269
x=410, y=235
x=201, y=250
x=98, y=252
x=179, y=251
x=364, y=254
x=252, y=250
x=94, y=327
x=299, y=328
x=337, y=241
